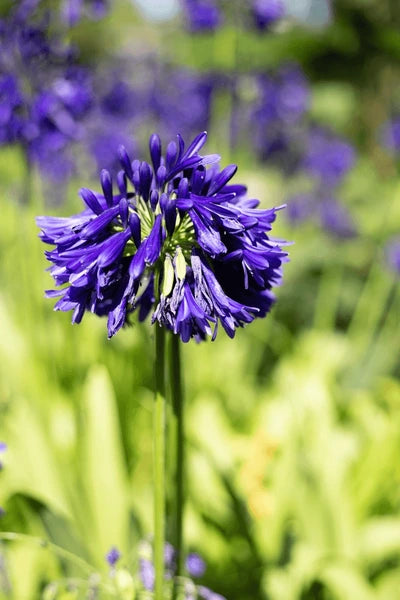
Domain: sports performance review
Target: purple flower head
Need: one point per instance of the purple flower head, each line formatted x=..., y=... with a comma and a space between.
x=390, y=135
x=113, y=556
x=328, y=158
x=267, y=12
x=202, y=15
x=174, y=238
x=195, y=565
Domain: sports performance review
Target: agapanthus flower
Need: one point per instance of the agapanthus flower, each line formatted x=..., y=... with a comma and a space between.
x=175, y=239
x=202, y=15
x=267, y=12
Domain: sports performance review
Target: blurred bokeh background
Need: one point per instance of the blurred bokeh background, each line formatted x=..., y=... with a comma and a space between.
x=294, y=426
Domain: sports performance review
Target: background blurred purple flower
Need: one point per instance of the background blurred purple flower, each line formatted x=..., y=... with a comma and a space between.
x=336, y=219
x=328, y=158
x=195, y=565
x=202, y=15
x=267, y=12
x=277, y=116
x=392, y=254
x=390, y=135
x=73, y=10
x=113, y=556
x=324, y=209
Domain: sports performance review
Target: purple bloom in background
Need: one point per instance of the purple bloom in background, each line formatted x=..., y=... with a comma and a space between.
x=73, y=10
x=206, y=594
x=328, y=158
x=267, y=12
x=147, y=575
x=202, y=15
x=277, y=117
x=392, y=253
x=195, y=565
x=300, y=207
x=331, y=214
x=113, y=556
x=336, y=219
x=176, y=225
x=44, y=93
x=391, y=135
x=3, y=448
x=11, y=101
x=192, y=104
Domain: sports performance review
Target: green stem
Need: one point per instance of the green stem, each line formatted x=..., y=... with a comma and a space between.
x=177, y=399
x=159, y=463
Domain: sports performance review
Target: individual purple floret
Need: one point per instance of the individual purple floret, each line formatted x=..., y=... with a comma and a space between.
x=267, y=12
x=176, y=239
x=391, y=135
x=328, y=158
x=195, y=565
x=202, y=15
x=113, y=556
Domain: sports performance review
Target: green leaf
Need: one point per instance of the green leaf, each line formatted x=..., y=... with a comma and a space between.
x=105, y=476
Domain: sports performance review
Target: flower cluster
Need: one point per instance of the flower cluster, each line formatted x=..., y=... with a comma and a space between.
x=208, y=15
x=176, y=239
x=73, y=10
x=390, y=135
x=195, y=568
x=44, y=93
x=327, y=160
x=278, y=114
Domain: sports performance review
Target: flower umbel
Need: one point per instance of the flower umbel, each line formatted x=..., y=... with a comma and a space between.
x=176, y=240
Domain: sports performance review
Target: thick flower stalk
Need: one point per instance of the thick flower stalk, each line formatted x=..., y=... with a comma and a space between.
x=176, y=240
